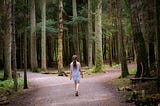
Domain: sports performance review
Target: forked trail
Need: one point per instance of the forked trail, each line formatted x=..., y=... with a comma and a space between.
x=50, y=90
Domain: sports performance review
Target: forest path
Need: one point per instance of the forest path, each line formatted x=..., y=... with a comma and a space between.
x=51, y=90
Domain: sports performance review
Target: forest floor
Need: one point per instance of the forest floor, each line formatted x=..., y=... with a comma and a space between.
x=51, y=90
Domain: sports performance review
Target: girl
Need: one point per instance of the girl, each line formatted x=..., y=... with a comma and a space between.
x=75, y=71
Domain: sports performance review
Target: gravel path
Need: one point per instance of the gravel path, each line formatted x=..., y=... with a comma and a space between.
x=50, y=90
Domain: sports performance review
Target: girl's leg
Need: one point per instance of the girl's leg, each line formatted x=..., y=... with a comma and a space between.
x=77, y=86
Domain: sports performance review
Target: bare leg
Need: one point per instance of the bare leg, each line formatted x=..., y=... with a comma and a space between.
x=77, y=86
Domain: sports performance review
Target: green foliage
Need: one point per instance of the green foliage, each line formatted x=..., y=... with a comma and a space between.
x=76, y=20
x=1, y=75
x=108, y=27
x=49, y=26
x=98, y=69
x=92, y=71
x=116, y=65
x=133, y=70
x=6, y=87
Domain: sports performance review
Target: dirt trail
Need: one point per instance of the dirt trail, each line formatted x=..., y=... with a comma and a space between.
x=50, y=90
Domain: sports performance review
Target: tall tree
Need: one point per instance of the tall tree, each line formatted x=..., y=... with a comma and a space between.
x=75, y=29
x=14, y=47
x=34, y=64
x=43, y=35
x=157, y=5
x=60, y=37
x=122, y=52
x=139, y=43
x=110, y=37
x=25, y=45
x=98, y=35
x=7, y=39
x=90, y=34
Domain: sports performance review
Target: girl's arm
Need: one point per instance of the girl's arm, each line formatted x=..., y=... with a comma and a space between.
x=70, y=73
x=81, y=71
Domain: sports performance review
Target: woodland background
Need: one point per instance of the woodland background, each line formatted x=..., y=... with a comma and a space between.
x=37, y=35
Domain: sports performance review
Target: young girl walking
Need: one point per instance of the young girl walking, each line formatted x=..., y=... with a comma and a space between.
x=75, y=72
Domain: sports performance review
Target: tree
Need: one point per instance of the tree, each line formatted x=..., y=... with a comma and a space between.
x=139, y=43
x=25, y=46
x=43, y=35
x=60, y=37
x=98, y=35
x=122, y=52
x=14, y=47
x=34, y=64
x=157, y=11
x=7, y=39
x=75, y=29
x=90, y=34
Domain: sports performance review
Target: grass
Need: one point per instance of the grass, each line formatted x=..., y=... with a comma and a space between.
x=6, y=87
x=121, y=82
x=125, y=81
x=1, y=74
x=133, y=71
x=116, y=65
x=92, y=71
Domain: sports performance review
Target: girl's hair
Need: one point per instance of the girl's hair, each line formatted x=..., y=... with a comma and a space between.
x=74, y=58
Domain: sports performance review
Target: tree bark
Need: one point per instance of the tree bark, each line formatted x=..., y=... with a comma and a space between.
x=139, y=44
x=43, y=36
x=75, y=30
x=157, y=4
x=8, y=40
x=60, y=38
x=34, y=63
x=98, y=35
x=25, y=46
x=110, y=50
x=90, y=34
x=122, y=52
x=14, y=47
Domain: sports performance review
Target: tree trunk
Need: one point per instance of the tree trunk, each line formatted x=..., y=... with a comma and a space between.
x=25, y=47
x=157, y=4
x=98, y=35
x=43, y=36
x=1, y=53
x=60, y=37
x=14, y=47
x=34, y=64
x=110, y=51
x=148, y=31
x=139, y=44
x=8, y=40
x=75, y=30
x=122, y=52
x=90, y=34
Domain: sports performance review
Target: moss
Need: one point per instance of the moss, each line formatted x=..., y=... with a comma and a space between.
x=6, y=87
x=98, y=69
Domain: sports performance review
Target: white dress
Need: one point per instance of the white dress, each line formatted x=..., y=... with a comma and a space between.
x=75, y=72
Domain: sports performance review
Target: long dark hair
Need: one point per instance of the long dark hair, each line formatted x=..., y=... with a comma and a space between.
x=74, y=58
